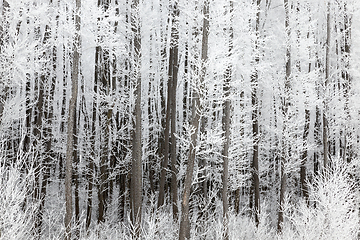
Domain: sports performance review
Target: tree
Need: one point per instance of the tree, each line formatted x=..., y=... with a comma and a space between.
x=103, y=81
x=285, y=108
x=71, y=123
x=48, y=80
x=136, y=168
x=175, y=68
x=255, y=120
x=226, y=122
x=327, y=72
x=184, y=232
x=244, y=112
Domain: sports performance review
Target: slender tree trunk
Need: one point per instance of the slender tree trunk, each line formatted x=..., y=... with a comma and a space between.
x=285, y=106
x=175, y=66
x=89, y=190
x=164, y=165
x=105, y=116
x=346, y=154
x=303, y=185
x=161, y=136
x=226, y=129
x=71, y=124
x=4, y=92
x=255, y=123
x=327, y=72
x=90, y=164
x=304, y=189
x=47, y=135
x=226, y=134
x=90, y=170
x=38, y=134
x=105, y=120
x=136, y=170
x=76, y=171
x=184, y=232
x=317, y=138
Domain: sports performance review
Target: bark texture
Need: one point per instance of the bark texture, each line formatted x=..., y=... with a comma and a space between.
x=285, y=107
x=255, y=123
x=136, y=170
x=184, y=232
x=71, y=124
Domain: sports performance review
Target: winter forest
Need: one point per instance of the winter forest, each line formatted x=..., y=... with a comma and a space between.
x=179, y=119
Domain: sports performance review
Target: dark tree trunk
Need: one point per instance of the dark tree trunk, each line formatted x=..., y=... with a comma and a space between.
x=304, y=189
x=105, y=120
x=226, y=134
x=70, y=148
x=136, y=170
x=255, y=124
x=47, y=133
x=184, y=232
x=285, y=107
x=164, y=165
x=91, y=169
x=175, y=66
x=327, y=72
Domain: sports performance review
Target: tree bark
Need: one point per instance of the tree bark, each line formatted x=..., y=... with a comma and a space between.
x=71, y=124
x=226, y=133
x=285, y=106
x=304, y=189
x=47, y=132
x=105, y=116
x=184, y=232
x=136, y=171
x=38, y=134
x=91, y=168
x=255, y=123
x=164, y=165
x=175, y=66
x=226, y=129
x=327, y=72
x=346, y=75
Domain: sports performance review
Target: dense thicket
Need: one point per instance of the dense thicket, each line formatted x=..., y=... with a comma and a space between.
x=163, y=119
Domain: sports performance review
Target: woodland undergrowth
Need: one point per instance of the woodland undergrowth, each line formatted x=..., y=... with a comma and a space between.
x=331, y=212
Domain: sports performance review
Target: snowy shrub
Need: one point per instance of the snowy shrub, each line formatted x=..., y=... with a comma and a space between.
x=156, y=224
x=16, y=213
x=332, y=211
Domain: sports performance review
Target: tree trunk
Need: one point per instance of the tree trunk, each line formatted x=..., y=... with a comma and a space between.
x=184, y=232
x=327, y=72
x=226, y=133
x=105, y=116
x=346, y=154
x=71, y=124
x=255, y=123
x=165, y=152
x=285, y=106
x=76, y=171
x=136, y=171
x=47, y=133
x=303, y=186
x=226, y=129
x=175, y=66
x=90, y=167
x=4, y=91
x=38, y=134
x=90, y=170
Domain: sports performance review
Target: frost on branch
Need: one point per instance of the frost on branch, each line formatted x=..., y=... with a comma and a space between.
x=332, y=211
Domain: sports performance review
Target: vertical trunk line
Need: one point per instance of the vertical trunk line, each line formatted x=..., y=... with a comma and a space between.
x=184, y=232
x=327, y=72
x=285, y=107
x=71, y=123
